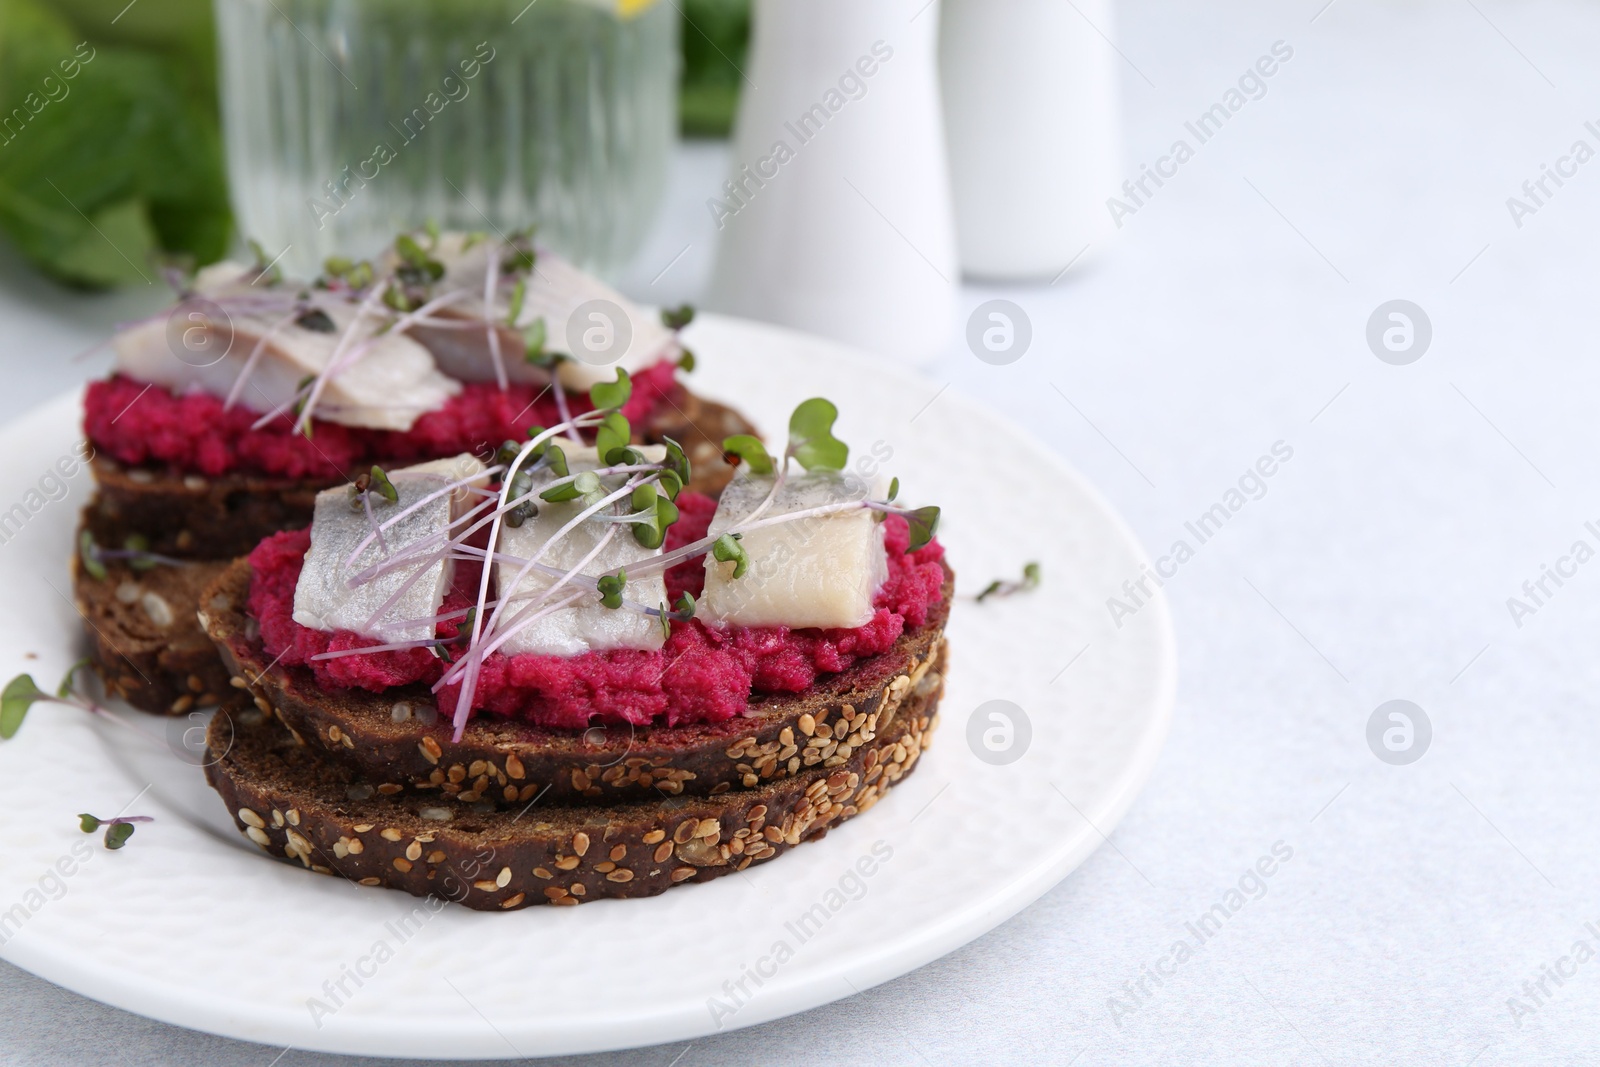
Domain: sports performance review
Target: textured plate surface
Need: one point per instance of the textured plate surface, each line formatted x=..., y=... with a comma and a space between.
x=192, y=925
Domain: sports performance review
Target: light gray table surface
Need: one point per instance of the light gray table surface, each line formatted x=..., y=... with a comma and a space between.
x=1230, y=314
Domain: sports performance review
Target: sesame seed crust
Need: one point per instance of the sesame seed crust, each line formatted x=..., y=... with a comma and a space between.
x=496, y=861
x=506, y=764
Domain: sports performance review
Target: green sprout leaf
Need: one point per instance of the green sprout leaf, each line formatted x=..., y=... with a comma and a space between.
x=135, y=542
x=610, y=587
x=521, y=486
x=556, y=460
x=677, y=463
x=88, y=823
x=606, y=396
x=612, y=434
x=588, y=483
x=811, y=439
x=518, y=294
x=18, y=696
x=671, y=484
x=64, y=690
x=381, y=485
x=273, y=275
x=894, y=488
x=316, y=320
x=677, y=318
x=685, y=605
x=533, y=341
x=742, y=448
x=1030, y=576
x=507, y=453
x=431, y=228
x=661, y=513
x=727, y=549
x=924, y=524
x=686, y=362
x=89, y=556
x=117, y=835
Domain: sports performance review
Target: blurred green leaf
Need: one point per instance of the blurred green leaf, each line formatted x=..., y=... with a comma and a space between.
x=100, y=170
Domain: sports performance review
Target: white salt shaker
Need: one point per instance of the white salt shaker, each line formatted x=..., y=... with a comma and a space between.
x=1031, y=114
x=837, y=218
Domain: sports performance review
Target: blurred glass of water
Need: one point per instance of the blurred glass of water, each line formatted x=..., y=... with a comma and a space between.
x=349, y=121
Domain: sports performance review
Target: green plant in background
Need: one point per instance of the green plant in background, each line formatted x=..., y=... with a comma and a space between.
x=104, y=171
x=716, y=38
x=106, y=166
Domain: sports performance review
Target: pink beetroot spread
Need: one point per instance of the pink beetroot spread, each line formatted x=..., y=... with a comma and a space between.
x=701, y=675
x=138, y=424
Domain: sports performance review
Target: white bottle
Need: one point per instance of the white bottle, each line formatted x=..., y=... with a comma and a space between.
x=837, y=218
x=1031, y=115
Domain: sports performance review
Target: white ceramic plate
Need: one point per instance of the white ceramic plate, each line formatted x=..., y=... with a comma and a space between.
x=192, y=925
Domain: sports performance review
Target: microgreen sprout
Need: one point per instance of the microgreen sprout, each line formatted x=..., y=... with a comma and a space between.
x=22, y=693
x=611, y=586
x=612, y=436
x=924, y=523
x=811, y=440
x=655, y=513
x=677, y=318
x=316, y=320
x=90, y=557
x=374, y=481
x=519, y=293
x=534, y=339
x=611, y=396
x=742, y=448
x=417, y=266
x=118, y=830
x=1003, y=588
x=686, y=360
x=135, y=550
x=727, y=549
x=264, y=267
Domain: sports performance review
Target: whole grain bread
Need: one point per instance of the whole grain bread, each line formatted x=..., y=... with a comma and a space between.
x=396, y=739
x=146, y=641
x=298, y=805
x=197, y=517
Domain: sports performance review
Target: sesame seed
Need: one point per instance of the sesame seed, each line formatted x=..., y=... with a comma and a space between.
x=513, y=901
x=503, y=879
x=250, y=818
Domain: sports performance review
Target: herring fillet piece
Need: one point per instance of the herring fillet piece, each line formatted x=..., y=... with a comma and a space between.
x=391, y=386
x=588, y=625
x=555, y=289
x=816, y=572
x=323, y=598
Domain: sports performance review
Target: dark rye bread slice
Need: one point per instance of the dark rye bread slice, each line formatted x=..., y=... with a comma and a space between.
x=382, y=736
x=299, y=806
x=147, y=644
x=198, y=517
